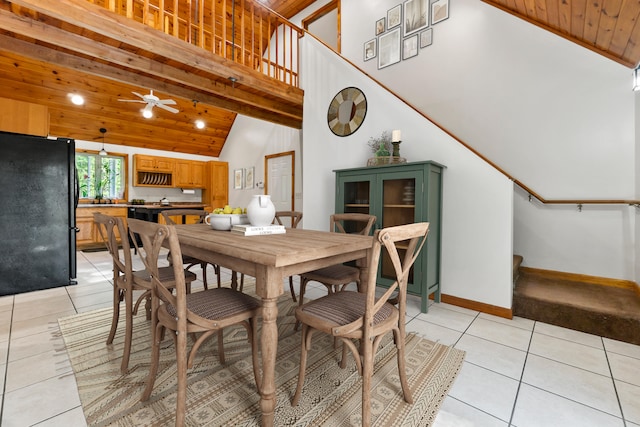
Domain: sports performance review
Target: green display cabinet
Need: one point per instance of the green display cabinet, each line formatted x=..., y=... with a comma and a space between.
x=399, y=194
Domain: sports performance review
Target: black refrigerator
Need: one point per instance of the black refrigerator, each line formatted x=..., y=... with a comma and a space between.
x=38, y=199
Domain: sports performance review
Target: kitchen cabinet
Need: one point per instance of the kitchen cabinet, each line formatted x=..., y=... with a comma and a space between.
x=88, y=235
x=189, y=174
x=152, y=171
x=216, y=189
x=399, y=194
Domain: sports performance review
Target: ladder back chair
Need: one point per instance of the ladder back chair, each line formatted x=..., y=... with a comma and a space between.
x=199, y=314
x=126, y=280
x=188, y=260
x=350, y=315
x=337, y=277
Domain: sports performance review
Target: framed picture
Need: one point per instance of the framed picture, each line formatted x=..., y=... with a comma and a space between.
x=410, y=47
x=416, y=15
x=380, y=26
x=389, y=48
x=370, y=49
x=394, y=17
x=426, y=38
x=439, y=11
x=248, y=177
x=238, y=178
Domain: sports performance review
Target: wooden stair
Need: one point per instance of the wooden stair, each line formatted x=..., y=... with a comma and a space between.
x=581, y=303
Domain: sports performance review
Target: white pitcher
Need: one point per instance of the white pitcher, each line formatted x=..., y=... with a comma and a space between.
x=261, y=210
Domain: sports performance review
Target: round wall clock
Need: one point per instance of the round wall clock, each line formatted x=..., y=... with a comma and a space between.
x=346, y=111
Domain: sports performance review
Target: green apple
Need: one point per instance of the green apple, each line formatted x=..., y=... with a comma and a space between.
x=227, y=209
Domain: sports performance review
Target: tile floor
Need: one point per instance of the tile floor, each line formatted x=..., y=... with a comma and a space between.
x=516, y=373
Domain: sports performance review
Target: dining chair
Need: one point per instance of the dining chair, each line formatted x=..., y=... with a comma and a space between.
x=337, y=277
x=126, y=280
x=188, y=260
x=199, y=314
x=351, y=315
x=294, y=219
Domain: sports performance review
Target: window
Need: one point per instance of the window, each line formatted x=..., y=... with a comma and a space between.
x=101, y=177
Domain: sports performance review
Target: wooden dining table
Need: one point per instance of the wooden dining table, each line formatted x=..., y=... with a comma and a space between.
x=270, y=259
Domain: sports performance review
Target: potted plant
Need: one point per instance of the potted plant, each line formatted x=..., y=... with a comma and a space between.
x=381, y=148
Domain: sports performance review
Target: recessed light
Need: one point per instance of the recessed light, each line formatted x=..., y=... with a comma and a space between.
x=200, y=124
x=76, y=99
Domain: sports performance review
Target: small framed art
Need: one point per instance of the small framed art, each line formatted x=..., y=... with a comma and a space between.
x=416, y=15
x=380, y=26
x=389, y=48
x=426, y=38
x=439, y=11
x=248, y=177
x=370, y=49
x=394, y=17
x=238, y=179
x=410, y=47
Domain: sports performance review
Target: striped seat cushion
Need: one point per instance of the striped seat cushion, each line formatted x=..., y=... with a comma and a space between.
x=218, y=303
x=344, y=307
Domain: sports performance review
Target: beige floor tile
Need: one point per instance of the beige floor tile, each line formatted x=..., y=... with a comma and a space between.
x=433, y=332
x=454, y=413
x=71, y=418
x=569, y=335
x=88, y=289
x=625, y=368
x=40, y=296
x=496, y=357
x=538, y=408
x=629, y=397
x=620, y=347
x=29, y=310
x=500, y=333
x=6, y=303
x=443, y=316
x=55, y=396
x=577, y=384
x=105, y=297
x=518, y=322
x=37, y=325
x=571, y=353
x=40, y=367
x=32, y=345
x=5, y=324
x=485, y=390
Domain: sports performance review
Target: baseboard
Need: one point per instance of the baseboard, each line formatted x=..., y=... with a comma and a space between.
x=493, y=310
x=584, y=278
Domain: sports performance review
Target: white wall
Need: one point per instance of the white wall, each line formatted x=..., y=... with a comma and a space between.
x=148, y=193
x=249, y=141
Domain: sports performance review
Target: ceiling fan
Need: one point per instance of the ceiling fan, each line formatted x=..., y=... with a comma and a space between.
x=152, y=101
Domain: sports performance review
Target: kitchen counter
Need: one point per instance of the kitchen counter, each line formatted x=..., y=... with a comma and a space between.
x=176, y=205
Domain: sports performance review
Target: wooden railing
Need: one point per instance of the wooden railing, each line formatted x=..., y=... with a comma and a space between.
x=240, y=30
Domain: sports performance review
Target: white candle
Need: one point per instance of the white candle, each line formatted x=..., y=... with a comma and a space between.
x=395, y=136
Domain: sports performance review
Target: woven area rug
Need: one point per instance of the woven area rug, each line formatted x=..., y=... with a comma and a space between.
x=225, y=395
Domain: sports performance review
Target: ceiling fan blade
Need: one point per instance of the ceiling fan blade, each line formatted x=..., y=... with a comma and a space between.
x=171, y=109
x=131, y=100
x=141, y=96
x=167, y=101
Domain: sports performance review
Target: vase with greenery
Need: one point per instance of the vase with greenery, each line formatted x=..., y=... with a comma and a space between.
x=380, y=146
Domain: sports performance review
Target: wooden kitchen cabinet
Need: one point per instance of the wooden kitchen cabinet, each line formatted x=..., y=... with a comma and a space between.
x=89, y=235
x=190, y=174
x=152, y=171
x=153, y=163
x=399, y=194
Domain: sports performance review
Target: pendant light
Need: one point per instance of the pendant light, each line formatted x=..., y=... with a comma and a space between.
x=103, y=152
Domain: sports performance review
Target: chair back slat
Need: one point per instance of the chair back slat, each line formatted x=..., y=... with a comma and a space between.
x=363, y=223
x=294, y=218
x=154, y=236
x=122, y=262
x=167, y=214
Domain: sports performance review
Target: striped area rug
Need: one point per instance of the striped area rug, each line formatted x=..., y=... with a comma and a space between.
x=225, y=395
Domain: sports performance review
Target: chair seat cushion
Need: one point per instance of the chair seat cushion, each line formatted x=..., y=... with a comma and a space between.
x=343, y=308
x=166, y=275
x=218, y=303
x=334, y=275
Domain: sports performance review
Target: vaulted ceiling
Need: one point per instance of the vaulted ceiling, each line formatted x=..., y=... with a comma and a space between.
x=50, y=49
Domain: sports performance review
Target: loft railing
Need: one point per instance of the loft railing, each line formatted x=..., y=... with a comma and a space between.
x=240, y=30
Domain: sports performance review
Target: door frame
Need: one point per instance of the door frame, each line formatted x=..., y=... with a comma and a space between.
x=293, y=174
x=329, y=7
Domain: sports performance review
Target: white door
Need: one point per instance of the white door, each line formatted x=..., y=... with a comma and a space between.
x=280, y=180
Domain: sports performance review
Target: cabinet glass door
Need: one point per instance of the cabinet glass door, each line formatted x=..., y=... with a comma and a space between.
x=398, y=208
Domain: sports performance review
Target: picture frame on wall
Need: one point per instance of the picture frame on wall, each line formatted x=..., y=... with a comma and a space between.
x=416, y=15
x=410, y=47
x=238, y=179
x=394, y=16
x=389, y=48
x=370, y=49
x=380, y=26
x=249, y=177
x=426, y=38
x=439, y=11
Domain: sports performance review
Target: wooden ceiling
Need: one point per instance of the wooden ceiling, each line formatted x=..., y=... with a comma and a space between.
x=51, y=49
x=608, y=27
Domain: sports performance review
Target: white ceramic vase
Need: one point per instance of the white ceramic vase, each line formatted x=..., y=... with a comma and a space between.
x=261, y=210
